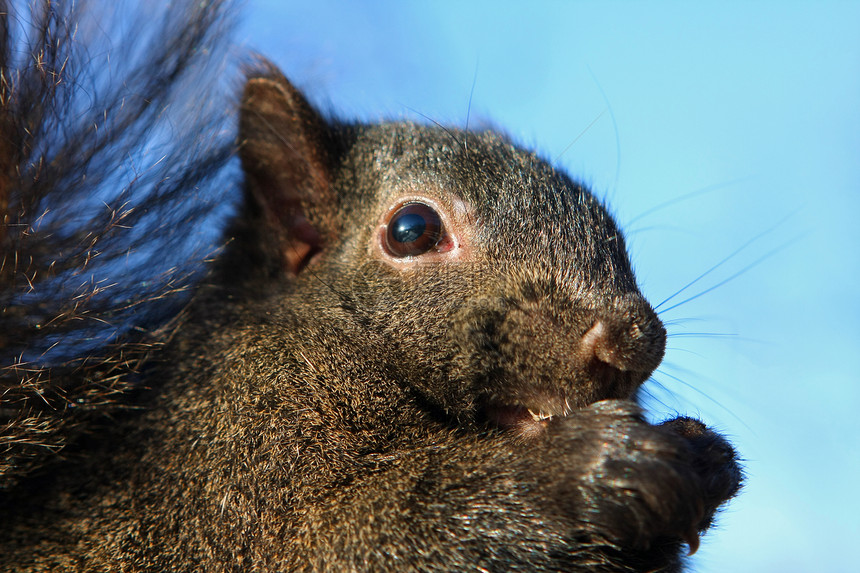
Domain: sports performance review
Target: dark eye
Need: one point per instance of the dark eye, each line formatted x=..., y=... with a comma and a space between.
x=413, y=230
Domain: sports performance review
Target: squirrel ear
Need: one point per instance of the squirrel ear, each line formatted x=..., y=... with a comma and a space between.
x=284, y=148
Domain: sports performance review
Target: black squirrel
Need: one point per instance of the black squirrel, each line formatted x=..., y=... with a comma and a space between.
x=419, y=349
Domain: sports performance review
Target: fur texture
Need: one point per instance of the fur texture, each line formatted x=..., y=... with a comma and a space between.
x=325, y=402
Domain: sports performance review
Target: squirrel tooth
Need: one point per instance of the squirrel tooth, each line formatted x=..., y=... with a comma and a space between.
x=539, y=416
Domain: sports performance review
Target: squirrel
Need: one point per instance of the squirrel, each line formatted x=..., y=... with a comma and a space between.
x=418, y=348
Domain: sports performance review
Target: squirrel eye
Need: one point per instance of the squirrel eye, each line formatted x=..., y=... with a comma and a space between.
x=413, y=230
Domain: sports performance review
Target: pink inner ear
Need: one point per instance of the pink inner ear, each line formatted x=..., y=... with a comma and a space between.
x=303, y=243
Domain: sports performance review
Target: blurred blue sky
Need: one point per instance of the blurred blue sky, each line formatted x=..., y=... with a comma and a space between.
x=705, y=125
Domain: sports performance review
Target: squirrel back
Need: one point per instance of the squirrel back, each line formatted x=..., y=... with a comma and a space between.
x=419, y=349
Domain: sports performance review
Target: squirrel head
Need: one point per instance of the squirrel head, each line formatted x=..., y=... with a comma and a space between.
x=491, y=285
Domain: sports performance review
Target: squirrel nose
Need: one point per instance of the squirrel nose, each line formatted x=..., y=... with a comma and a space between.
x=623, y=345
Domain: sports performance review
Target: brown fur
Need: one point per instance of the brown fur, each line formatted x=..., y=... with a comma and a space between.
x=324, y=405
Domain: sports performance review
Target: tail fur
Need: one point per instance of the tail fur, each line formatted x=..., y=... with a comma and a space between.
x=113, y=149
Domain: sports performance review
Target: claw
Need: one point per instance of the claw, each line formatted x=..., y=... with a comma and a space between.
x=692, y=540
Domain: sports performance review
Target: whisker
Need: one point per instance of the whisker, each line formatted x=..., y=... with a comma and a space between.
x=577, y=138
x=725, y=259
x=702, y=334
x=450, y=133
x=681, y=321
x=471, y=93
x=614, y=125
x=644, y=392
x=730, y=278
x=681, y=198
x=702, y=394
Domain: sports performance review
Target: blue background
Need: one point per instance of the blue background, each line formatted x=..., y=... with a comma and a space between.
x=709, y=128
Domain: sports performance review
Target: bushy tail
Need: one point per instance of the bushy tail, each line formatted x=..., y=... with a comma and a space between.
x=114, y=134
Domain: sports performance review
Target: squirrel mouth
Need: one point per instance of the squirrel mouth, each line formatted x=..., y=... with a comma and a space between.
x=526, y=421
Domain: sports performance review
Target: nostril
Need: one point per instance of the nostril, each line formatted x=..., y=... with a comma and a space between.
x=595, y=343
